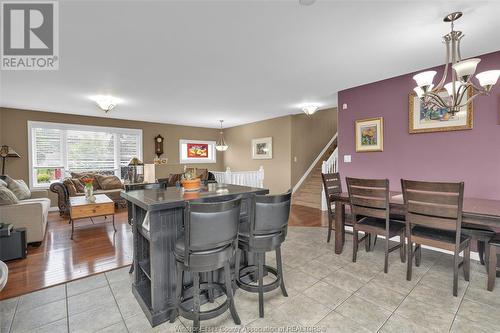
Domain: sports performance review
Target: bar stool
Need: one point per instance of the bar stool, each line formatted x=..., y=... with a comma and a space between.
x=265, y=231
x=493, y=246
x=209, y=243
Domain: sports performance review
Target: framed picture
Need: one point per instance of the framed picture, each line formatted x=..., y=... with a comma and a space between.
x=196, y=151
x=424, y=120
x=262, y=148
x=370, y=135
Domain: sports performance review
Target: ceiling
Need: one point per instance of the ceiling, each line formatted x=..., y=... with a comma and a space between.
x=195, y=62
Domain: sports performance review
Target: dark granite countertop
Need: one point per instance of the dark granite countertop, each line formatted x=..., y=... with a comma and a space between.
x=172, y=197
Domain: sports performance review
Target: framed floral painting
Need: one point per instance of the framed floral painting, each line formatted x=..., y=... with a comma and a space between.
x=370, y=135
x=424, y=120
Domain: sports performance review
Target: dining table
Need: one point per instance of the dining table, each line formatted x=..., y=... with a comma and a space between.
x=476, y=211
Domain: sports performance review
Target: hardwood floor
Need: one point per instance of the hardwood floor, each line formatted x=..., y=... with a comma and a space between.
x=95, y=249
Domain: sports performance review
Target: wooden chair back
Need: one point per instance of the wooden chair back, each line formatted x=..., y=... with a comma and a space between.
x=434, y=205
x=369, y=197
x=332, y=184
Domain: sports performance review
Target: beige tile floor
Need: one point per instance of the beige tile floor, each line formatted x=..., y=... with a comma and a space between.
x=327, y=293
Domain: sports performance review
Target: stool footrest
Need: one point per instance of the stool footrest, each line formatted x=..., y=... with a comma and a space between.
x=205, y=315
x=255, y=288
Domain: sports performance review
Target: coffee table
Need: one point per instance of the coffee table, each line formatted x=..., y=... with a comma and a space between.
x=81, y=208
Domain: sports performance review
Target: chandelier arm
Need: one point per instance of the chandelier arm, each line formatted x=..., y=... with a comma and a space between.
x=480, y=90
x=470, y=99
x=445, y=73
x=437, y=100
x=462, y=90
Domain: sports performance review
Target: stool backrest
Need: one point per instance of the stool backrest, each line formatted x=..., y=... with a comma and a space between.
x=434, y=205
x=209, y=226
x=270, y=213
x=369, y=197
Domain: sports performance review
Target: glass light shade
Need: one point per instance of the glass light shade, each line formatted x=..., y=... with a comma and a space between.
x=419, y=92
x=221, y=144
x=449, y=87
x=425, y=78
x=105, y=102
x=488, y=78
x=466, y=68
x=310, y=109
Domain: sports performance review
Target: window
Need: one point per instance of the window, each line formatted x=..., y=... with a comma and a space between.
x=196, y=151
x=56, y=149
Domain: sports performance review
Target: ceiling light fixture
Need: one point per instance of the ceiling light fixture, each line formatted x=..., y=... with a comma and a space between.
x=221, y=144
x=310, y=109
x=106, y=102
x=306, y=2
x=461, y=77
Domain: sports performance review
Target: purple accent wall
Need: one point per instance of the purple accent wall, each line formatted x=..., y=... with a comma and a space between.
x=472, y=156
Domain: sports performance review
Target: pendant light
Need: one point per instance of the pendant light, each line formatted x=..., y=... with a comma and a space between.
x=221, y=143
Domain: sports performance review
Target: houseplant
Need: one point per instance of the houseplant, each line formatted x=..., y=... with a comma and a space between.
x=190, y=181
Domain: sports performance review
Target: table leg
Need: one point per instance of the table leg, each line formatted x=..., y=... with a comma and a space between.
x=339, y=226
x=114, y=222
x=72, y=227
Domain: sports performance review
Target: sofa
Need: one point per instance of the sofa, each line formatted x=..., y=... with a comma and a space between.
x=30, y=213
x=67, y=188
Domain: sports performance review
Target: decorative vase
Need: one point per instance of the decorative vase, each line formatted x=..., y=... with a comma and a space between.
x=89, y=192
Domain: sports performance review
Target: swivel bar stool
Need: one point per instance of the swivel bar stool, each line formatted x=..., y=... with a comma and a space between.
x=209, y=243
x=265, y=231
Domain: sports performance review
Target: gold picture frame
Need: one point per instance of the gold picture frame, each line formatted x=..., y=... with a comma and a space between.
x=438, y=125
x=369, y=135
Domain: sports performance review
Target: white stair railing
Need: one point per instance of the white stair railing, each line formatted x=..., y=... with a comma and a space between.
x=243, y=178
x=331, y=165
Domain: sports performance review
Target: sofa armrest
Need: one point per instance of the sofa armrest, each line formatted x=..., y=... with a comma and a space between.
x=36, y=194
x=62, y=197
x=31, y=215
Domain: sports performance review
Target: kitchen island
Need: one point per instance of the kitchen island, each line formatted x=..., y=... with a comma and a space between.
x=157, y=218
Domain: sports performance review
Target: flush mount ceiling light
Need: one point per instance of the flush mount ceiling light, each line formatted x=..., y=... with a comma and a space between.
x=306, y=2
x=106, y=102
x=310, y=109
x=221, y=144
x=461, y=77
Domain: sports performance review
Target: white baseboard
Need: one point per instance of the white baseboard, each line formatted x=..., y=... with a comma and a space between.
x=54, y=209
x=473, y=255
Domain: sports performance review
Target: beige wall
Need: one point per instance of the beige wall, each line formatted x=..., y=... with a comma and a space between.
x=310, y=134
x=239, y=155
x=14, y=132
x=293, y=136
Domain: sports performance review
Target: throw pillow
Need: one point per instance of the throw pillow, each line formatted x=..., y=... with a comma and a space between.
x=81, y=175
x=78, y=185
x=19, y=188
x=7, y=197
x=70, y=187
x=2, y=183
x=109, y=182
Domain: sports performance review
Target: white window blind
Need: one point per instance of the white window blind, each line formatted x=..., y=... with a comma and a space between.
x=58, y=149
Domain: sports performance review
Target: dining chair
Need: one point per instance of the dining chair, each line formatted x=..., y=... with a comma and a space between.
x=332, y=185
x=434, y=218
x=493, y=246
x=369, y=200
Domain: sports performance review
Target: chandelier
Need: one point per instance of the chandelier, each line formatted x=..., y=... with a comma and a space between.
x=461, y=90
x=221, y=144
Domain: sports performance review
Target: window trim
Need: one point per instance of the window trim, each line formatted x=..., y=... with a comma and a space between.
x=75, y=127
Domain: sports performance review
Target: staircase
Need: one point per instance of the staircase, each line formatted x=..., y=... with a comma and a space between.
x=309, y=193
